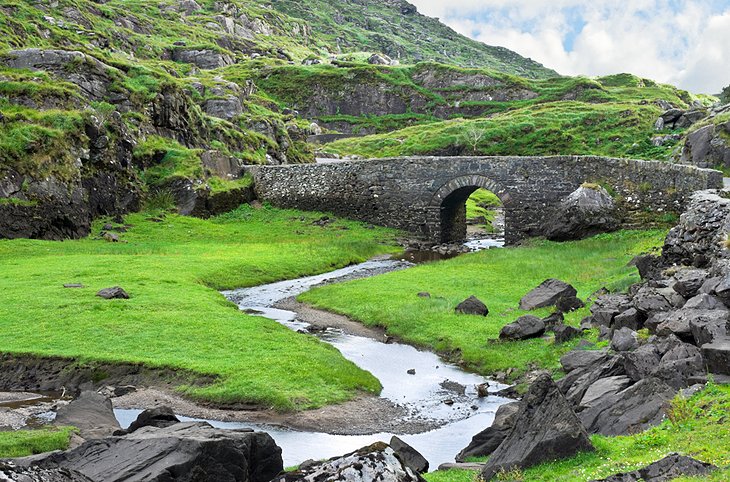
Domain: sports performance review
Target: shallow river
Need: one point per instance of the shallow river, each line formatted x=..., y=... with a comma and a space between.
x=438, y=392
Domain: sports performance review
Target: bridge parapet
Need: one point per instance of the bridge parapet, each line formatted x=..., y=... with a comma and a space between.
x=425, y=195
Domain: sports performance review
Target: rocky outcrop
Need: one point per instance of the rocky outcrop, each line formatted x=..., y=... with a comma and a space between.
x=487, y=441
x=547, y=294
x=587, y=211
x=670, y=467
x=91, y=413
x=184, y=452
x=546, y=428
x=13, y=473
x=203, y=58
x=377, y=462
x=709, y=144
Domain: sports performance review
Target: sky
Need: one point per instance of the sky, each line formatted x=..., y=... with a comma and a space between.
x=682, y=42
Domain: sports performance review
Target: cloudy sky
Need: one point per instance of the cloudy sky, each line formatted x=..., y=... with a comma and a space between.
x=682, y=42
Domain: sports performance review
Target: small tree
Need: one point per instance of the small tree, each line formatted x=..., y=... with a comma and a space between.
x=725, y=96
x=472, y=136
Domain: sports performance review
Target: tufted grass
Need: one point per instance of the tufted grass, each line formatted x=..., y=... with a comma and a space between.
x=22, y=443
x=499, y=278
x=175, y=317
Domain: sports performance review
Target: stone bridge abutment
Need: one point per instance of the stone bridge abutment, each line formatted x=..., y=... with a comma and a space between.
x=426, y=195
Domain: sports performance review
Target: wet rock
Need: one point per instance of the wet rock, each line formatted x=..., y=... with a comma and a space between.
x=717, y=356
x=13, y=473
x=624, y=339
x=567, y=304
x=603, y=387
x=545, y=429
x=581, y=358
x=565, y=333
x=183, y=452
x=472, y=306
x=115, y=292
x=375, y=462
x=487, y=441
x=587, y=211
x=547, y=294
x=632, y=410
x=522, y=328
x=159, y=417
x=91, y=413
x=670, y=467
x=410, y=457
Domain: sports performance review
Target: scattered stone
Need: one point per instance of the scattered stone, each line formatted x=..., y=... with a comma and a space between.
x=565, y=333
x=545, y=429
x=641, y=362
x=159, y=417
x=487, y=441
x=73, y=285
x=472, y=306
x=670, y=467
x=184, y=451
x=566, y=304
x=424, y=294
x=107, y=227
x=689, y=281
x=375, y=462
x=91, y=413
x=547, y=294
x=630, y=318
x=522, y=328
x=587, y=211
x=624, y=339
x=717, y=356
x=110, y=237
x=607, y=307
x=708, y=325
x=115, y=292
x=410, y=457
x=483, y=390
x=582, y=358
x=411, y=371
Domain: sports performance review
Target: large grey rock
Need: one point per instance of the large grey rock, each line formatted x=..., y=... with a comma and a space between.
x=203, y=58
x=603, y=387
x=546, y=428
x=650, y=300
x=689, y=281
x=564, y=333
x=670, y=467
x=708, y=325
x=607, y=307
x=704, y=301
x=717, y=356
x=410, y=457
x=631, y=318
x=641, y=362
x=624, y=339
x=577, y=383
x=487, y=441
x=547, y=294
x=227, y=108
x=159, y=417
x=587, y=211
x=472, y=306
x=522, y=328
x=581, y=358
x=91, y=413
x=377, y=462
x=10, y=472
x=632, y=410
x=184, y=452
x=680, y=365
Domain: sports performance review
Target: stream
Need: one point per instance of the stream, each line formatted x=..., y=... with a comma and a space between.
x=440, y=394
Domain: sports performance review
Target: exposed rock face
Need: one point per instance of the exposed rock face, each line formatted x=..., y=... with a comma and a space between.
x=409, y=456
x=585, y=212
x=91, y=413
x=159, y=417
x=670, y=467
x=545, y=429
x=377, y=462
x=9, y=472
x=547, y=294
x=472, y=306
x=487, y=441
x=203, y=58
x=185, y=452
x=707, y=147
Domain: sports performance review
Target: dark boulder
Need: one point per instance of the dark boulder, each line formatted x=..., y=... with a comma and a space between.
x=522, y=328
x=680, y=365
x=375, y=462
x=410, y=457
x=487, y=441
x=576, y=383
x=547, y=294
x=12, y=473
x=651, y=300
x=159, y=417
x=708, y=325
x=587, y=211
x=624, y=339
x=553, y=320
x=565, y=333
x=630, y=318
x=641, y=362
x=689, y=281
x=91, y=413
x=632, y=410
x=607, y=307
x=704, y=301
x=546, y=428
x=581, y=358
x=670, y=467
x=115, y=292
x=566, y=304
x=184, y=452
x=604, y=387
x=717, y=356
x=472, y=306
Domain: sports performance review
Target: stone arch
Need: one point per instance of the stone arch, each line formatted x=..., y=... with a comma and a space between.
x=449, y=202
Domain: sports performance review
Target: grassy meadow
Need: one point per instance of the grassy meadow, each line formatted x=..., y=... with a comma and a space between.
x=22, y=443
x=176, y=318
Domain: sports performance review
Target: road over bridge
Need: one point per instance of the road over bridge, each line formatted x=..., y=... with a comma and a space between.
x=427, y=195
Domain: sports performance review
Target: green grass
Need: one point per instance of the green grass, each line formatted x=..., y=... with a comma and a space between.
x=22, y=443
x=481, y=204
x=702, y=432
x=175, y=317
x=499, y=278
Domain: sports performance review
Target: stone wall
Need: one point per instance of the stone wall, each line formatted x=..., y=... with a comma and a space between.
x=422, y=195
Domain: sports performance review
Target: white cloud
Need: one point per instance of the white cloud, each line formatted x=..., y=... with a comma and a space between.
x=683, y=42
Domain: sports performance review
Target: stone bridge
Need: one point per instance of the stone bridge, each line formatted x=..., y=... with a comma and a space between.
x=426, y=195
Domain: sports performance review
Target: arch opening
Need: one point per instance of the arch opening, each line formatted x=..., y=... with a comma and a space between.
x=469, y=205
